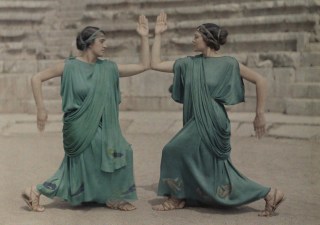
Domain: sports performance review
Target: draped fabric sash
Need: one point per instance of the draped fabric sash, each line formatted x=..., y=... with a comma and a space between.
x=100, y=108
x=214, y=132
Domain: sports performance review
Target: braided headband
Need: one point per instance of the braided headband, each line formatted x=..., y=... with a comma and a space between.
x=92, y=37
x=202, y=29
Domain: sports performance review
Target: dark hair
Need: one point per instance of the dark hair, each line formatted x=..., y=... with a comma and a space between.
x=217, y=35
x=85, y=38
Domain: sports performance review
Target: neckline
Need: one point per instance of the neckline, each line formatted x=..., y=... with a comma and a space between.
x=76, y=58
x=212, y=57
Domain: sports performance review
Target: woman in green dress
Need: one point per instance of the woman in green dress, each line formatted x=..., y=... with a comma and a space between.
x=195, y=167
x=98, y=165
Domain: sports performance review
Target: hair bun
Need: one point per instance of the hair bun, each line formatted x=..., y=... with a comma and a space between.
x=223, y=36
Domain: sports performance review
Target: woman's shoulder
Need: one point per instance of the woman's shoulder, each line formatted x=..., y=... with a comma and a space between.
x=106, y=61
x=70, y=59
x=230, y=59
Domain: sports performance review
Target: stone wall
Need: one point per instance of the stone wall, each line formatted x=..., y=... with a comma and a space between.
x=279, y=39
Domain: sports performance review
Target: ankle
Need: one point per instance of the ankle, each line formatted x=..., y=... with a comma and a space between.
x=34, y=189
x=268, y=196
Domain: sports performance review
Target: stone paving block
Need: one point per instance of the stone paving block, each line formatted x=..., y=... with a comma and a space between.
x=245, y=130
x=124, y=124
x=308, y=74
x=20, y=66
x=167, y=104
x=31, y=128
x=175, y=127
x=234, y=127
x=125, y=86
x=150, y=127
x=151, y=83
x=303, y=107
x=45, y=64
x=295, y=131
x=284, y=78
x=310, y=59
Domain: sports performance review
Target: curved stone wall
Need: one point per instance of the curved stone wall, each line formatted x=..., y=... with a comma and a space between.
x=279, y=39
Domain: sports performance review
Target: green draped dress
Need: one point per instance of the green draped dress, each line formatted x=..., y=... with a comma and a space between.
x=98, y=161
x=196, y=164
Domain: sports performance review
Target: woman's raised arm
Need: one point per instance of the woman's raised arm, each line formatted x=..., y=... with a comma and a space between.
x=156, y=63
x=133, y=69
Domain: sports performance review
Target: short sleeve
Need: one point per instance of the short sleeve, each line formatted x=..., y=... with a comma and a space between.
x=117, y=83
x=232, y=88
x=179, y=71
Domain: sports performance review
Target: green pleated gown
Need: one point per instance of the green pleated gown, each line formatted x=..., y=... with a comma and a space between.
x=196, y=164
x=98, y=161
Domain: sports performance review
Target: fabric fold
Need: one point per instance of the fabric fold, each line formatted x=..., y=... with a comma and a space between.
x=205, y=106
x=99, y=108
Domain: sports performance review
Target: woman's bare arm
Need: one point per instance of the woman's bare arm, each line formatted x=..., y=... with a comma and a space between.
x=261, y=93
x=133, y=69
x=36, y=83
x=156, y=63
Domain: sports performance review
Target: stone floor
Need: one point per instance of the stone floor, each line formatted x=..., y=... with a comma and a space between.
x=288, y=158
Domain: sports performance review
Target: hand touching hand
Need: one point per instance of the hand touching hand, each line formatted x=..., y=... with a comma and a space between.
x=259, y=125
x=42, y=117
x=161, y=24
x=143, y=27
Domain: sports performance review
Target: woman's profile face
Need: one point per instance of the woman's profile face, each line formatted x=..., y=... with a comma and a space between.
x=198, y=42
x=99, y=45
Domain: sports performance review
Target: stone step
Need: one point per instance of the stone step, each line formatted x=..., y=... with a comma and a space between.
x=266, y=23
x=74, y=14
x=15, y=86
x=308, y=74
x=309, y=107
x=257, y=42
x=54, y=52
x=305, y=90
x=192, y=11
x=242, y=25
x=21, y=17
x=51, y=92
x=310, y=59
x=12, y=33
x=313, y=47
x=52, y=106
x=58, y=34
x=236, y=43
x=115, y=4
x=26, y=5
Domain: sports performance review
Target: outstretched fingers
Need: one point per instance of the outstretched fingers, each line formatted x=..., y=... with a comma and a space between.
x=142, y=26
x=161, y=24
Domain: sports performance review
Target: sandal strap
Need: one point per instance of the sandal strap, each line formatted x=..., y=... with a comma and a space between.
x=32, y=199
x=120, y=205
x=173, y=203
x=271, y=203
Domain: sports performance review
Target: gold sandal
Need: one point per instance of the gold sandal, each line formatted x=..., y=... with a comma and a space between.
x=272, y=203
x=170, y=204
x=120, y=205
x=32, y=198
